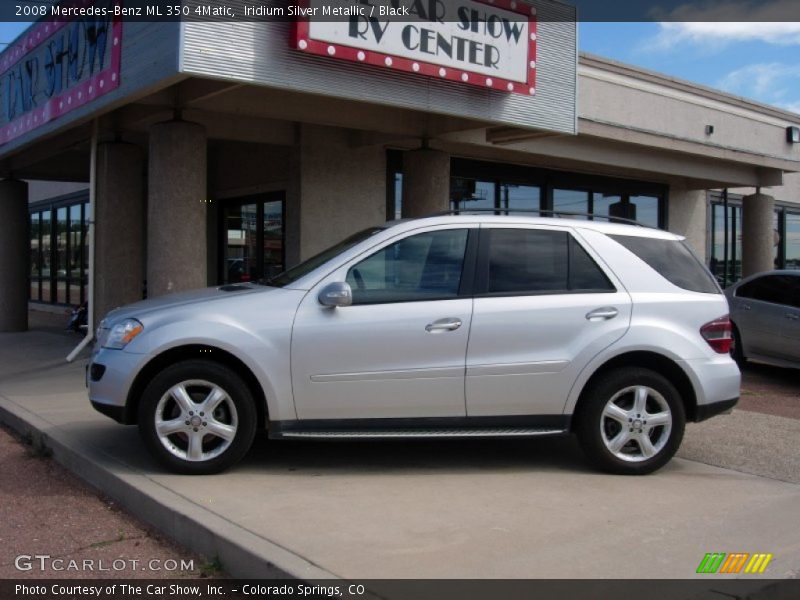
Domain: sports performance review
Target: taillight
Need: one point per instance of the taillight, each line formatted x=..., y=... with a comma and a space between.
x=718, y=334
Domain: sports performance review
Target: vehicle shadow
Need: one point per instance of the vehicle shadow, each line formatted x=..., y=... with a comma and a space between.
x=785, y=376
x=415, y=456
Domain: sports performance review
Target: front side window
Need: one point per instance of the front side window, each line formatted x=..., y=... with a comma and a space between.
x=426, y=266
x=530, y=261
x=289, y=276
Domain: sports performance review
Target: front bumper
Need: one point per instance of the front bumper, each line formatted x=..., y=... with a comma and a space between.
x=115, y=412
x=109, y=393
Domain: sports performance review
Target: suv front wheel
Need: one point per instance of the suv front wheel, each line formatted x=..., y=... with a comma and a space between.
x=631, y=421
x=197, y=417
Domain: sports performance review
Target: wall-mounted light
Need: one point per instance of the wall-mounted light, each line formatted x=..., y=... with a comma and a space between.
x=709, y=129
x=793, y=135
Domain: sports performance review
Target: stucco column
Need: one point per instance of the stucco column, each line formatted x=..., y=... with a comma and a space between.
x=687, y=217
x=176, y=211
x=758, y=237
x=426, y=182
x=118, y=227
x=14, y=255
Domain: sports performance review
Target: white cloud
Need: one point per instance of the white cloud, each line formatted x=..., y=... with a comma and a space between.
x=699, y=32
x=790, y=106
x=717, y=24
x=774, y=83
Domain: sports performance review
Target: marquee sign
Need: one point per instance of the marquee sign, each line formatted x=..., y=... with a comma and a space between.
x=488, y=43
x=60, y=65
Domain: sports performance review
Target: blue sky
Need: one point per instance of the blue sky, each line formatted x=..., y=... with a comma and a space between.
x=760, y=61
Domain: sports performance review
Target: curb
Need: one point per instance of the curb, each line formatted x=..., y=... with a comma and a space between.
x=241, y=553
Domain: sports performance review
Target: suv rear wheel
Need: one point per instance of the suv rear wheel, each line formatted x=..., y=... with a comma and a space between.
x=197, y=417
x=631, y=421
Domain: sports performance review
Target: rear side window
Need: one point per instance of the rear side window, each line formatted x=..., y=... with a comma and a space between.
x=777, y=289
x=673, y=261
x=531, y=261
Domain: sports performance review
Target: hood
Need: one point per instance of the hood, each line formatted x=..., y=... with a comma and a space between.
x=178, y=299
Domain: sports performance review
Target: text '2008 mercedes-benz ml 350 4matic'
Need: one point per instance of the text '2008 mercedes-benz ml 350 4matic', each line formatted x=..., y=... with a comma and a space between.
x=447, y=326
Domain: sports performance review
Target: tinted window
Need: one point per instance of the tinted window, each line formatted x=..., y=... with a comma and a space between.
x=525, y=260
x=673, y=260
x=426, y=266
x=529, y=261
x=777, y=289
x=584, y=274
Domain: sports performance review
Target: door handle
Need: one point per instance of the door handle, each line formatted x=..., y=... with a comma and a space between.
x=602, y=314
x=746, y=306
x=791, y=316
x=443, y=325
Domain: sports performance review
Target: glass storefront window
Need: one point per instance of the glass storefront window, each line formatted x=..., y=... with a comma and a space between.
x=509, y=188
x=602, y=203
x=75, y=248
x=85, y=254
x=792, y=240
x=398, y=195
x=519, y=197
x=62, y=257
x=273, y=239
x=645, y=209
x=726, y=251
x=47, y=257
x=469, y=194
x=59, y=254
x=253, y=240
x=571, y=201
x=36, y=255
x=241, y=246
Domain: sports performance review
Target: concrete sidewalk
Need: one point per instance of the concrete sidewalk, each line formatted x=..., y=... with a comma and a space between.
x=445, y=509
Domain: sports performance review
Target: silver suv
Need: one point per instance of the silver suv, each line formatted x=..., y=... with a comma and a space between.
x=452, y=326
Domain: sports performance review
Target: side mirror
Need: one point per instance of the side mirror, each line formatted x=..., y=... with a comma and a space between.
x=336, y=294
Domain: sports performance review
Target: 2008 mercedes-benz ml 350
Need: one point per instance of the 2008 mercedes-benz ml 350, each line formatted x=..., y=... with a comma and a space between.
x=446, y=326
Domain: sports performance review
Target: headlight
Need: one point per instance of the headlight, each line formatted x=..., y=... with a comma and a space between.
x=122, y=333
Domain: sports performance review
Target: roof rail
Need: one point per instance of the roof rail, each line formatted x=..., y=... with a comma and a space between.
x=551, y=213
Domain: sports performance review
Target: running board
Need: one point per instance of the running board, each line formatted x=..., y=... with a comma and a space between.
x=343, y=434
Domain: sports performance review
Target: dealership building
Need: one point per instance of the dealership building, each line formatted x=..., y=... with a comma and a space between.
x=193, y=153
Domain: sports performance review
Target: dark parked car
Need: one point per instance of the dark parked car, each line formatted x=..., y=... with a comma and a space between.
x=765, y=310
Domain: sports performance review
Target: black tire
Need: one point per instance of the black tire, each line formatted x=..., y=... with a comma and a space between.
x=737, y=350
x=236, y=412
x=589, y=419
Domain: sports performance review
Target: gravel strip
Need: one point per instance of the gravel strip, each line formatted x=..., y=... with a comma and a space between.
x=45, y=510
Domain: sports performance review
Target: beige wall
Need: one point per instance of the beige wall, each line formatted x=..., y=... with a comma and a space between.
x=788, y=192
x=678, y=113
x=342, y=187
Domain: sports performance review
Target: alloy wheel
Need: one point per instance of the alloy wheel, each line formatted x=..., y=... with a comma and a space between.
x=635, y=424
x=196, y=420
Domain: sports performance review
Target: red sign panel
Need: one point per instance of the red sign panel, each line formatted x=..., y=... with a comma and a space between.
x=58, y=66
x=488, y=43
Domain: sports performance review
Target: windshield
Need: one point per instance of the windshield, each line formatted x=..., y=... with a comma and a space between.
x=304, y=268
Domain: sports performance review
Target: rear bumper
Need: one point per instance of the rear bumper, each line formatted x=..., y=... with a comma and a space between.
x=716, y=383
x=706, y=411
